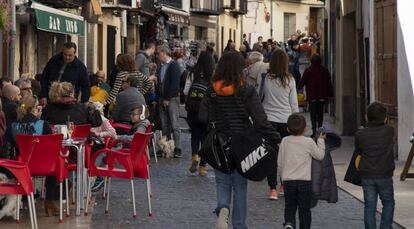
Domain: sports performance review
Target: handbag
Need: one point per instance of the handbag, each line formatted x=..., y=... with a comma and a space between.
x=255, y=157
x=352, y=174
x=216, y=147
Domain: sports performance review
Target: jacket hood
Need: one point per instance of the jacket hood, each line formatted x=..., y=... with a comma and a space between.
x=143, y=52
x=223, y=90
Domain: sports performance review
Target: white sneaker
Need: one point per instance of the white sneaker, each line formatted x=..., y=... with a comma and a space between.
x=223, y=218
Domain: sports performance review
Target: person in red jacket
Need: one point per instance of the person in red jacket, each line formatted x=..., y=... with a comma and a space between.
x=317, y=80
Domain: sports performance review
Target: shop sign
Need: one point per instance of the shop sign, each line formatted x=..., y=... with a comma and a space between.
x=178, y=19
x=58, y=23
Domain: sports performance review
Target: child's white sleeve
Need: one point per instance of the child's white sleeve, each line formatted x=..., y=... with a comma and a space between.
x=280, y=157
x=318, y=151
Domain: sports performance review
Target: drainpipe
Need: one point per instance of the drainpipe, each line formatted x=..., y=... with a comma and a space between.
x=12, y=40
x=271, y=18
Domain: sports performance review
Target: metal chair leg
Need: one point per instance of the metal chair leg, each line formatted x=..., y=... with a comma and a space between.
x=133, y=199
x=107, y=196
x=88, y=196
x=34, y=210
x=74, y=189
x=149, y=197
x=18, y=210
x=29, y=203
x=67, y=197
x=43, y=193
x=153, y=148
x=104, y=190
x=60, y=203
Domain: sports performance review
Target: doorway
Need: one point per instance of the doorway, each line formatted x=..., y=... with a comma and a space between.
x=110, y=48
x=289, y=25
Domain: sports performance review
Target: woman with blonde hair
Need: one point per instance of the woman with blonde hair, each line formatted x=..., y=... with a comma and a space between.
x=126, y=65
x=64, y=107
x=279, y=99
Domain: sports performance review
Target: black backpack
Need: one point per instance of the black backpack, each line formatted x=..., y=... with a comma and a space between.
x=196, y=93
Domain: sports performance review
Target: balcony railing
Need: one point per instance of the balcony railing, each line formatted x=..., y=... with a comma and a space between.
x=122, y=4
x=62, y=3
x=174, y=3
x=205, y=7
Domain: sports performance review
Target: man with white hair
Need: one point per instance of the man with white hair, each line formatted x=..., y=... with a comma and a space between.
x=25, y=86
x=256, y=69
x=169, y=88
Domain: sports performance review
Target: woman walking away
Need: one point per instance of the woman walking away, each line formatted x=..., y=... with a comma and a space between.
x=233, y=107
x=196, y=85
x=318, y=89
x=279, y=101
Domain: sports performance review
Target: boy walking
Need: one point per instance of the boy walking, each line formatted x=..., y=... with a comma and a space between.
x=294, y=164
x=375, y=145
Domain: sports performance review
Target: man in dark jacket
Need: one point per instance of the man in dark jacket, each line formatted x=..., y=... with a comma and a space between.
x=9, y=99
x=143, y=58
x=169, y=86
x=65, y=66
x=318, y=84
x=375, y=144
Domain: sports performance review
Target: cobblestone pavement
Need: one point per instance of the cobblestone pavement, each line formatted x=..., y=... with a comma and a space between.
x=184, y=201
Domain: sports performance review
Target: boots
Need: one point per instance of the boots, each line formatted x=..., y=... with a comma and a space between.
x=202, y=171
x=194, y=163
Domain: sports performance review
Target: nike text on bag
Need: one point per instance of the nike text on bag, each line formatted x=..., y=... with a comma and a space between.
x=254, y=156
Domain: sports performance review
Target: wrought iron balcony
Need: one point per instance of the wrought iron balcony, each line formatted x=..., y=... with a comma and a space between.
x=174, y=3
x=62, y=3
x=117, y=4
x=205, y=7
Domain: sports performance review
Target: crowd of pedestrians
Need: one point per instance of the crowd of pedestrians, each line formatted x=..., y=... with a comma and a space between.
x=255, y=87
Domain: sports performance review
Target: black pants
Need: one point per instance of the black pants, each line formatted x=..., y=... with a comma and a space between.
x=316, y=113
x=298, y=197
x=198, y=134
x=281, y=128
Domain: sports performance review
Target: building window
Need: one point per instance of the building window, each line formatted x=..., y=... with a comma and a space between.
x=289, y=25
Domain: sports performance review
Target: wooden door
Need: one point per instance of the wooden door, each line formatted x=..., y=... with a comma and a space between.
x=385, y=28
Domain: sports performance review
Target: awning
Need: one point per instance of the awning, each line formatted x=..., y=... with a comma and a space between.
x=176, y=16
x=203, y=21
x=57, y=21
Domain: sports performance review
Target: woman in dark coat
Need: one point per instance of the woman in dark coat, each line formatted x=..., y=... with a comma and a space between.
x=234, y=100
x=202, y=72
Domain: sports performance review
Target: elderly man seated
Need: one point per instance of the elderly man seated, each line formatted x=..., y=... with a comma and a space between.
x=256, y=68
x=128, y=98
x=25, y=86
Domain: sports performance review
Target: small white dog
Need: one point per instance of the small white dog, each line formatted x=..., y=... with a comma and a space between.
x=8, y=203
x=166, y=146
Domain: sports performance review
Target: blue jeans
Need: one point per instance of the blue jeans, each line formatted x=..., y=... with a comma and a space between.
x=385, y=189
x=226, y=183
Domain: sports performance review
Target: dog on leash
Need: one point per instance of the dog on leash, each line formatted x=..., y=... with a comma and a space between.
x=8, y=203
x=166, y=146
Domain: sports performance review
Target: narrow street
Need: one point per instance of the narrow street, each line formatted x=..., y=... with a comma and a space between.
x=181, y=200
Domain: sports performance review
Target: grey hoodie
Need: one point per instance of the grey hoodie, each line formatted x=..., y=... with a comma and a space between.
x=143, y=60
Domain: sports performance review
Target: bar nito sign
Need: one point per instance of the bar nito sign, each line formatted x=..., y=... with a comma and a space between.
x=58, y=23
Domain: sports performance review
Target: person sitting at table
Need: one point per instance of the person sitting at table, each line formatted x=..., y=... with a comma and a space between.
x=139, y=118
x=129, y=97
x=63, y=107
x=29, y=122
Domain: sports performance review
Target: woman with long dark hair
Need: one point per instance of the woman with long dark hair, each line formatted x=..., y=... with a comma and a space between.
x=201, y=74
x=279, y=102
x=233, y=106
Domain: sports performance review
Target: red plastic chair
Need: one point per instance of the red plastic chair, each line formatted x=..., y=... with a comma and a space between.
x=122, y=126
x=150, y=129
x=134, y=162
x=23, y=186
x=45, y=158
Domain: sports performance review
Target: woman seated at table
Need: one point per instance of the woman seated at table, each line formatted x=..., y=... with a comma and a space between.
x=29, y=122
x=63, y=107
